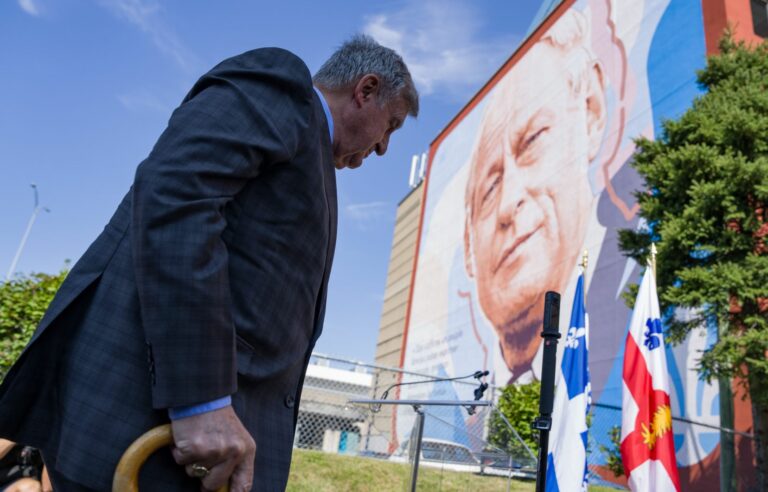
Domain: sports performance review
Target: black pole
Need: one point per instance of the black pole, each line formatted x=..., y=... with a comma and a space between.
x=543, y=423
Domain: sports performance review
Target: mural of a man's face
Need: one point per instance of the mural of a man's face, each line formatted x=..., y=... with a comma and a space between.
x=528, y=195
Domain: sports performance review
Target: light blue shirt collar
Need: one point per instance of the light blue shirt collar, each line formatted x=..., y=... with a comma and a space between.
x=327, y=112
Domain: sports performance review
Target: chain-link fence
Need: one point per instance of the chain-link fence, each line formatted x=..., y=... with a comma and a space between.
x=603, y=455
x=458, y=451
x=463, y=448
x=472, y=461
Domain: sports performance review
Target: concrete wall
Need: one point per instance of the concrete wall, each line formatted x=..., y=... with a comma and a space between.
x=397, y=292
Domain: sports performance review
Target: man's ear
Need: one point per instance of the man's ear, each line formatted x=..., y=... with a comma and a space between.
x=596, y=110
x=469, y=263
x=366, y=88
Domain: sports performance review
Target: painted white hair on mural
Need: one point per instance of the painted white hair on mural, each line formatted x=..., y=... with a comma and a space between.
x=571, y=34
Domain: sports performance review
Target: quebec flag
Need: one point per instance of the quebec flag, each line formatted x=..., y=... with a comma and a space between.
x=567, y=458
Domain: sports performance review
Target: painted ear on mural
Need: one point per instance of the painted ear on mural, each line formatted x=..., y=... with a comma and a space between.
x=596, y=108
x=469, y=261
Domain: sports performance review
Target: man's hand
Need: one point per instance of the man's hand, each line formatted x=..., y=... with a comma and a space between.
x=218, y=441
x=24, y=485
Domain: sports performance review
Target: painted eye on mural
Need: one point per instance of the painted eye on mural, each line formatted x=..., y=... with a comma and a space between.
x=530, y=139
x=491, y=187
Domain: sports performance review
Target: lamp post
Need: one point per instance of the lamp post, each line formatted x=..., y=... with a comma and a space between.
x=23, y=242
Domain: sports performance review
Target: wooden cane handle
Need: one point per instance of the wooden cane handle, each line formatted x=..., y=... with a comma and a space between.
x=127, y=472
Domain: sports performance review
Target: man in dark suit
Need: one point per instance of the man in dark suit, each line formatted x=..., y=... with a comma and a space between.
x=203, y=297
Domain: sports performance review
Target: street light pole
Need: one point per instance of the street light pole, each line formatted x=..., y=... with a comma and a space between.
x=23, y=242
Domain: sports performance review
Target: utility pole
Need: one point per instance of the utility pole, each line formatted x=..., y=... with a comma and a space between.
x=23, y=242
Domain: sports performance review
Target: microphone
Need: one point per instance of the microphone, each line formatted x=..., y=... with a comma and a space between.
x=479, y=391
x=480, y=374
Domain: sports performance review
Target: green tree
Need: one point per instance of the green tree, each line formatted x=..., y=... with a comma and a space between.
x=612, y=453
x=520, y=406
x=706, y=208
x=23, y=301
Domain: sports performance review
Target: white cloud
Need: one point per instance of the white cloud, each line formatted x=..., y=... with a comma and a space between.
x=443, y=44
x=30, y=7
x=365, y=213
x=145, y=14
x=142, y=101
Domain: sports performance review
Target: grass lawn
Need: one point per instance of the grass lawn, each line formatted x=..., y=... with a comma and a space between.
x=315, y=471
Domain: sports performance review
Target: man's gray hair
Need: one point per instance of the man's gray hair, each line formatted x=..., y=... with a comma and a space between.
x=362, y=55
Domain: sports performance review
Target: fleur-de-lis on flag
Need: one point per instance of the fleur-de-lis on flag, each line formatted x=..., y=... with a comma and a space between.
x=653, y=335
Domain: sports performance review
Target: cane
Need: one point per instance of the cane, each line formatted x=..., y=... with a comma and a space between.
x=127, y=472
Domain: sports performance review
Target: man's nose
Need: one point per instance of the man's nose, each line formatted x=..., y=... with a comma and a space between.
x=512, y=196
x=381, y=147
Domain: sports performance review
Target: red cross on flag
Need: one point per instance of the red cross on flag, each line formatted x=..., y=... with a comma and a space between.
x=647, y=445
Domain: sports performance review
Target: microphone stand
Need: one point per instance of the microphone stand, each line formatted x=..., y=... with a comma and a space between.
x=415, y=449
x=478, y=392
x=543, y=423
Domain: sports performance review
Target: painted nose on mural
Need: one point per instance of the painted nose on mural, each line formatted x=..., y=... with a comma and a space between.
x=512, y=198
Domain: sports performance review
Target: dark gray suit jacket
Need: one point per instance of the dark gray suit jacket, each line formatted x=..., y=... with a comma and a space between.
x=210, y=279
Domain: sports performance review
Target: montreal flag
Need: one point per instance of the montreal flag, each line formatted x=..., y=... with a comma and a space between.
x=647, y=446
x=567, y=462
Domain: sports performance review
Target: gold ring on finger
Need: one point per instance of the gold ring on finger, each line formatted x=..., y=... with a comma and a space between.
x=199, y=471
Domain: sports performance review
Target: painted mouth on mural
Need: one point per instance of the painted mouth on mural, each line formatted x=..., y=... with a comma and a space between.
x=508, y=256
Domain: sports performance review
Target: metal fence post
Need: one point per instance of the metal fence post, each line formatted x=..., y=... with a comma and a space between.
x=417, y=453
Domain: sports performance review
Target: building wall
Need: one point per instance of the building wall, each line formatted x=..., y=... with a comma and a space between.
x=668, y=78
x=396, y=294
x=718, y=14
x=389, y=347
x=738, y=14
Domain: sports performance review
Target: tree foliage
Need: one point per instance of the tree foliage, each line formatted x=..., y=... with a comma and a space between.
x=612, y=453
x=23, y=301
x=520, y=405
x=706, y=208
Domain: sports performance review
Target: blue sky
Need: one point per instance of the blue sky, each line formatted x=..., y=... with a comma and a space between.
x=88, y=85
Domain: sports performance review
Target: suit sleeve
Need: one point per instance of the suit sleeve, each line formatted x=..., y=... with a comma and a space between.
x=248, y=113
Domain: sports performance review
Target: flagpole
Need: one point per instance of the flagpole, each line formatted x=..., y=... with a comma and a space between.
x=583, y=265
x=652, y=261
